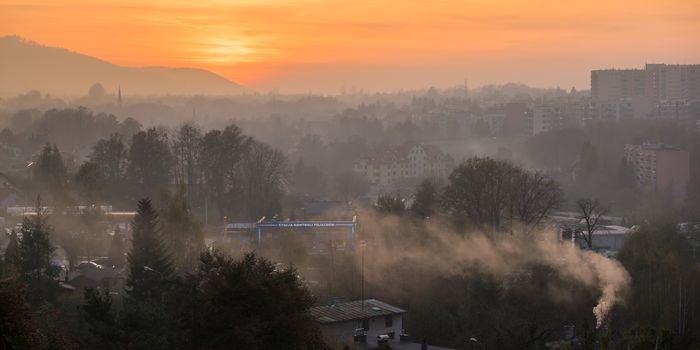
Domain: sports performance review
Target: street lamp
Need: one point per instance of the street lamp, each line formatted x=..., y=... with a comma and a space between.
x=150, y=269
x=363, y=245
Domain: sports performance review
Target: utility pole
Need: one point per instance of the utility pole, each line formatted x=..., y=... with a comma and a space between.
x=363, y=244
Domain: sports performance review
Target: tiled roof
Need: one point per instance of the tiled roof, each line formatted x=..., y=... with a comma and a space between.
x=353, y=310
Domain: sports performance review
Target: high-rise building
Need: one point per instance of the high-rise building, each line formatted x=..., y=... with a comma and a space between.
x=546, y=117
x=651, y=90
x=672, y=82
x=617, y=84
x=660, y=165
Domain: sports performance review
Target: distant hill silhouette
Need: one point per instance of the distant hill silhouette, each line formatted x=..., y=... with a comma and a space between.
x=25, y=65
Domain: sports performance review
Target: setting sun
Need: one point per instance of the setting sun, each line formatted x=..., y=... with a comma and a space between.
x=331, y=44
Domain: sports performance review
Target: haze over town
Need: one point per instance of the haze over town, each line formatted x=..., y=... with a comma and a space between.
x=349, y=175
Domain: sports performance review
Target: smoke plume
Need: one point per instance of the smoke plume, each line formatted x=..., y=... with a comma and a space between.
x=441, y=250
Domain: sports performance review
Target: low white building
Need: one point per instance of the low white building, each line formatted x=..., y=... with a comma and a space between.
x=610, y=238
x=609, y=235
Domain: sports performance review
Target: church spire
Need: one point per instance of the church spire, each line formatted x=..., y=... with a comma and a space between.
x=119, y=96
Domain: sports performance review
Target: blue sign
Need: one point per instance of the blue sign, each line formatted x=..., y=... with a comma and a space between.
x=304, y=224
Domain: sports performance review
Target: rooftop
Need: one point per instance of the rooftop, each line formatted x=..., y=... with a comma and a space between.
x=353, y=310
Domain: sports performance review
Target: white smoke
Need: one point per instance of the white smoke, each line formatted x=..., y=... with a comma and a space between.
x=450, y=254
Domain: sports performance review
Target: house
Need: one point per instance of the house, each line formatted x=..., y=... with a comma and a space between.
x=366, y=323
x=340, y=323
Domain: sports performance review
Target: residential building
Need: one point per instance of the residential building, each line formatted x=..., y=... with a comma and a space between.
x=658, y=90
x=366, y=324
x=391, y=168
x=660, y=165
x=610, y=111
x=672, y=82
x=517, y=119
x=617, y=84
x=341, y=322
x=546, y=117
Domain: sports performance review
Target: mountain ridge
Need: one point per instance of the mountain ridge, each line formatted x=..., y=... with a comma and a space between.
x=26, y=65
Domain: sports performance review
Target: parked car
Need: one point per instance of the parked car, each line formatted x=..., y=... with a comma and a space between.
x=89, y=265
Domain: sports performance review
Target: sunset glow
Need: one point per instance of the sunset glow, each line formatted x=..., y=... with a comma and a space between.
x=267, y=44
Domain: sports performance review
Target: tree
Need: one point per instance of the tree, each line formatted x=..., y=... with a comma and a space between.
x=307, y=180
x=101, y=320
x=390, y=205
x=587, y=164
x=35, y=251
x=109, y=159
x=96, y=91
x=17, y=325
x=186, y=151
x=129, y=127
x=51, y=173
x=146, y=319
x=349, y=185
x=89, y=183
x=590, y=211
x=181, y=229
x=150, y=162
x=426, y=199
x=263, y=177
x=7, y=137
x=220, y=154
x=534, y=196
x=117, y=249
x=484, y=191
x=12, y=257
x=249, y=303
x=626, y=177
x=479, y=191
x=149, y=261
x=664, y=296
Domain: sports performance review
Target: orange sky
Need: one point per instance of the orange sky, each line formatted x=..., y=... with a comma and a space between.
x=299, y=45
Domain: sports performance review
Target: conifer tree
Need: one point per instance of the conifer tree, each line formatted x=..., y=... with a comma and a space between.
x=35, y=251
x=149, y=262
x=11, y=262
x=146, y=318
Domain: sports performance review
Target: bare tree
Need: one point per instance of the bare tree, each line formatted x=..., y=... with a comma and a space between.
x=263, y=178
x=186, y=148
x=534, y=196
x=591, y=211
x=478, y=192
x=484, y=192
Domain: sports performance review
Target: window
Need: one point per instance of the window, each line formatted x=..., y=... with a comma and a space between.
x=365, y=324
x=388, y=321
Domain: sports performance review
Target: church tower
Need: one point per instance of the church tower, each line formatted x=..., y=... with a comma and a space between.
x=119, y=96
